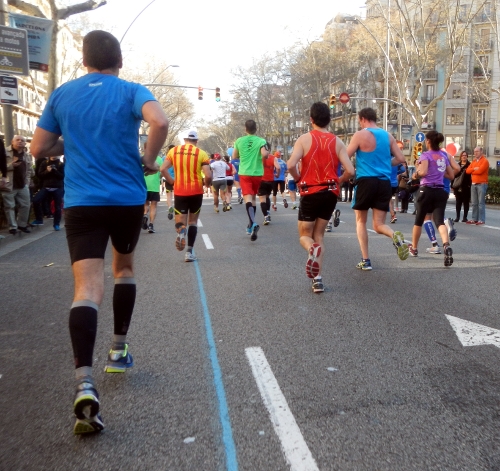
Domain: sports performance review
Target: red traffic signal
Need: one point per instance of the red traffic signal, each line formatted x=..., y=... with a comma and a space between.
x=217, y=94
x=200, y=93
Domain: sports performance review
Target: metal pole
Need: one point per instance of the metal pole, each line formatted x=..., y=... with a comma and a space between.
x=386, y=85
x=8, y=127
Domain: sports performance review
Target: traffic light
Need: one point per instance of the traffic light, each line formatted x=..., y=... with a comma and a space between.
x=415, y=154
x=217, y=94
x=419, y=149
x=332, y=102
x=200, y=93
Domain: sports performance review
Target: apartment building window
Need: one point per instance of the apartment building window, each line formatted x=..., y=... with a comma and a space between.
x=429, y=92
x=456, y=139
x=483, y=60
x=455, y=117
x=455, y=93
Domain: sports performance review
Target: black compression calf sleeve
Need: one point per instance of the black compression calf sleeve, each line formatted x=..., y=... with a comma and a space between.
x=251, y=212
x=263, y=207
x=123, y=304
x=82, y=330
x=268, y=203
x=192, y=231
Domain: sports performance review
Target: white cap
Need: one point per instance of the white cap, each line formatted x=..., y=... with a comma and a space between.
x=193, y=135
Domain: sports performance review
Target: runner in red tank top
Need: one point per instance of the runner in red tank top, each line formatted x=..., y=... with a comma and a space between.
x=320, y=152
x=266, y=187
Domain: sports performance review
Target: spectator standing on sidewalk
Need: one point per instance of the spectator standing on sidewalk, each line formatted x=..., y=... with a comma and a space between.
x=479, y=170
x=463, y=192
x=104, y=198
x=51, y=175
x=19, y=173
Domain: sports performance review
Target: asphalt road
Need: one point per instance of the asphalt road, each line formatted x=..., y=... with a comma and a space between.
x=238, y=365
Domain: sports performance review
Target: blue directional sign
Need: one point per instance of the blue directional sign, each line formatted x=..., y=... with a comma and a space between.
x=420, y=137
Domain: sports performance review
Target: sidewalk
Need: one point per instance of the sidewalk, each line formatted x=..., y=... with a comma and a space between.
x=10, y=242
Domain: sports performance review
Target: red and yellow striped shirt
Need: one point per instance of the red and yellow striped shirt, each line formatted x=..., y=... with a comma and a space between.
x=187, y=161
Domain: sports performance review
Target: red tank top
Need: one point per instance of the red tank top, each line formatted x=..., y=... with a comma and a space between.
x=268, y=169
x=320, y=165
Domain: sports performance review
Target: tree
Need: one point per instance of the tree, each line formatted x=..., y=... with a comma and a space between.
x=424, y=36
x=174, y=101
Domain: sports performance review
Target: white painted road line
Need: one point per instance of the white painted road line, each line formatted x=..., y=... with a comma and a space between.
x=492, y=227
x=198, y=223
x=207, y=241
x=294, y=447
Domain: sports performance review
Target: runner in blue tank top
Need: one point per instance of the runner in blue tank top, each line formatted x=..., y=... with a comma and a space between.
x=374, y=150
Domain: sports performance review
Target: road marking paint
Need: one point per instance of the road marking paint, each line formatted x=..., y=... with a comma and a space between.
x=227, y=433
x=471, y=334
x=371, y=230
x=492, y=227
x=198, y=223
x=207, y=241
x=294, y=447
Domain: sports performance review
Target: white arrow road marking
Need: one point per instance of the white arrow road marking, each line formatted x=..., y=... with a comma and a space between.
x=293, y=444
x=471, y=334
x=207, y=241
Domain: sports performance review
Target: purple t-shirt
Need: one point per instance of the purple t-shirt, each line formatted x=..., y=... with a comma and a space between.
x=438, y=160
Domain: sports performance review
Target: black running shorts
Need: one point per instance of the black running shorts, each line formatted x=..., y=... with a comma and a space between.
x=317, y=206
x=278, y=185
x=88, y=229
x=265, y=188
x=153, y=196
x=372, y=193
x=430, y=200
x=185, y=204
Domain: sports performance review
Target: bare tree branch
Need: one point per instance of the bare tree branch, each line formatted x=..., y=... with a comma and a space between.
x=26, y=7
x=64, y=13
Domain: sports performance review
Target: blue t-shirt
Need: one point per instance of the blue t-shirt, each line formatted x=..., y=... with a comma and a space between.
x=236, y=163
x=99, y=116
x=283, y=168
x=376, y=163
x=395, y=171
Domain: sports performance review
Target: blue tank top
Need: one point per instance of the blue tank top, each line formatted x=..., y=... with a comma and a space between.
x=376, y=163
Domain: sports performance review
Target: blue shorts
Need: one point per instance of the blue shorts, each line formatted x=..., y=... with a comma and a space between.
x=292, y=186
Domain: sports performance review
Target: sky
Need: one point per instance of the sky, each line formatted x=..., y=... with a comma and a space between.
x=209, y=39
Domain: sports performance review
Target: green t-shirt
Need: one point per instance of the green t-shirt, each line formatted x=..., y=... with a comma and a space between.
x=250, y=157
x=153, y=181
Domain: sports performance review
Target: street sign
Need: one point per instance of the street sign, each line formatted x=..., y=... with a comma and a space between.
x=8, y=90
x=14, y=57
x=420, y=137
x=344, y=98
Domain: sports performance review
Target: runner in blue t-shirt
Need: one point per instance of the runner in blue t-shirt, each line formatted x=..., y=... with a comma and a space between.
x=98, y=116
x=279, y=181
x=236, y=163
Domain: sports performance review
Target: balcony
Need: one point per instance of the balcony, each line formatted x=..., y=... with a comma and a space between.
x=429, y=74
x=483, y=45
x=481, y=73
x=480, y=99
x=426, y=100
x=482, y=18
x=479, y=126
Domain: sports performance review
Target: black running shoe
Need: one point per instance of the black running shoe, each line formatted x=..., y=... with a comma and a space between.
x=448, y=256
x=336, y=218
x=317, y=286
x=151, y=228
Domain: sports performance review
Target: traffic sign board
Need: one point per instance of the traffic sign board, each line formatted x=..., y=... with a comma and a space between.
x=14, y=57
x=8, y=90
x=344, y=98
x=420, y=137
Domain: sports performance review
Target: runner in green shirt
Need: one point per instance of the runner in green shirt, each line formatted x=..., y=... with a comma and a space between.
x=251, y=150
x=153, y=183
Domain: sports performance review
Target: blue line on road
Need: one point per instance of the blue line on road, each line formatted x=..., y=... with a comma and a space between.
x=227, y=433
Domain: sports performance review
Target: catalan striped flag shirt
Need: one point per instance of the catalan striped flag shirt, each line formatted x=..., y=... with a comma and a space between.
x=187, y=161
